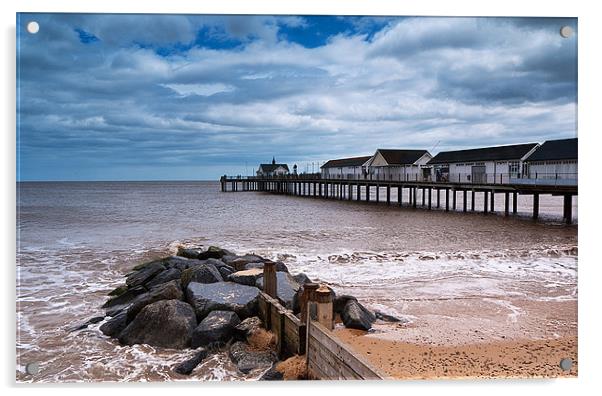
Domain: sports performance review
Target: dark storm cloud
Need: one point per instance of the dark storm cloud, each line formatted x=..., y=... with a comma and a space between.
x=188, y=97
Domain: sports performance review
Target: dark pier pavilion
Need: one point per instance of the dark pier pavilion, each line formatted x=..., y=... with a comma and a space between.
x=428, y=192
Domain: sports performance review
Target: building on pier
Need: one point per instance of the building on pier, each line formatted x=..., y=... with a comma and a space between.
x=345, y=168
x=399, y=165
x=555, y=161
x=273, y=169
x=495, y=165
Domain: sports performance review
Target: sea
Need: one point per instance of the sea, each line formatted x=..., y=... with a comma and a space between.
x=508, y=276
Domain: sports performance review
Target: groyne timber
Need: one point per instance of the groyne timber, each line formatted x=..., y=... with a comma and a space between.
x=430, y=194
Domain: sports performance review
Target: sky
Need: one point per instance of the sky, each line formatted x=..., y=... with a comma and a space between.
x=193, y=97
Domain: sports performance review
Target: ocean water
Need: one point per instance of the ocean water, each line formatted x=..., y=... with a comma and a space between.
x=510, y=277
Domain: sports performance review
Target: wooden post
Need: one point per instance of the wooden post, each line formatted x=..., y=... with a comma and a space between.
x=464, y=201
x=492, y=201
x=367, y=193
x=269, y=279
x=430, y=196
x=506, y=203
x=399, y=193
x=349, y=191
x=485, y=201
x=568, y=209
x=306, y=296
x=454, y=199
x=535, y=206
x=323, y=297
x=438, y=198
x=414, y=196
x=377, y=192
x=514, y=202
x=359, y=192
x=423, y=195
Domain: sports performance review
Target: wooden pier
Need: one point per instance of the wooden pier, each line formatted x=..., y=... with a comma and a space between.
x=427, y=192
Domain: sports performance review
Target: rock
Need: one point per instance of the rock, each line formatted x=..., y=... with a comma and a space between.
x=387, y=318
x=247, y=327
x=115, y=325
x=179, y=263
x=216, y=328
x=247, y=359
x=165, y=323
x=118, y=291
x=280, y=266
x=225, y=271
x=225, y=296
x=186, y=367
x=191, y=253
x=204, y=273
x=141, y=276
x=240, y=262
x=301, y=278
x=247, y=277
x=339, y=302
x=272, y=375
x=167, y=291
x=355, y=316
x=169, y=274
x=286, y=288
x=85, y=325
x=213, y=252
x=123, y=300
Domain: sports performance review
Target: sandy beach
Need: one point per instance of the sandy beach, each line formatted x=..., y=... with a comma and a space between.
x=508, y=359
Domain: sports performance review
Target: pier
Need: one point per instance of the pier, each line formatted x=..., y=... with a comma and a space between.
x=425, y=194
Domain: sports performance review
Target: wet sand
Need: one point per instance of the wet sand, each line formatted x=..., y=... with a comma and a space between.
x=499, y=359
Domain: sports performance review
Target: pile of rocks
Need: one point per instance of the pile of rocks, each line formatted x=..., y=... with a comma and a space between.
x=204, y=299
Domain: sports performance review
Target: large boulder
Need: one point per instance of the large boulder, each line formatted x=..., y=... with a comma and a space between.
x=286, y=288
x=280, y=266
x=356, y=316
x=124, y=300
x=238, y=262
x=179, y=263
x=224, y=296
x=186, y=367
x=213, y=252
x=144, y=274
x=204, y=273
x=115, y=325
x=247, y=277
x=165, y=276
x=166, y=291
x=339, y=302
x=247, y=359
x=301, y=278
x=165, y=323
x=216, y=328
x=225, y=271
x=247, y=328
x=191, y=253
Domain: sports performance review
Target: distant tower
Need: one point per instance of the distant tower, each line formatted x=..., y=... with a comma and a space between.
x=273, y=160
x=295, y=169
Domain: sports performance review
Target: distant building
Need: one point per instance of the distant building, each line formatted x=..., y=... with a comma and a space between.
x=496, y=164
x=554, y=160
x=345, y=168
x=272, y=169
x=400, y=165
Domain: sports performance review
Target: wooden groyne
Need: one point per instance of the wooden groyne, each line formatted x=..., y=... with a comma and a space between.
x=429, y=193
x=327, y=357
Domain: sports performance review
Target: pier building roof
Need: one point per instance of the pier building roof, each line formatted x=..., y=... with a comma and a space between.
x=496, y=153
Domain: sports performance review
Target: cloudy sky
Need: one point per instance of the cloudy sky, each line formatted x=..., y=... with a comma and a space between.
x=151, y=97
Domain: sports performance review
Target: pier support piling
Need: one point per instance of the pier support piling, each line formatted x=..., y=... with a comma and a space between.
x=514, y=202
x=535, y=206
x=506, y=203
x=568, y=208
x=464, y=201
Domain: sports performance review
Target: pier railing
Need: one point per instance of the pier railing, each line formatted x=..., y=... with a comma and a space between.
x=535, y=178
